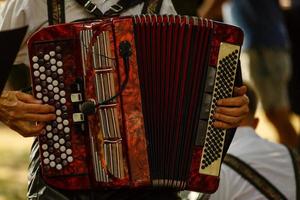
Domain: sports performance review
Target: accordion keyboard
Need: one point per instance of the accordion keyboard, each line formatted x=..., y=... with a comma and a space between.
x=223, y=88
x=50, y=88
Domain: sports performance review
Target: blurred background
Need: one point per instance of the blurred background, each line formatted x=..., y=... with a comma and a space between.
x=14, y=150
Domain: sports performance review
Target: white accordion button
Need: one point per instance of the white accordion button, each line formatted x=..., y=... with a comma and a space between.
x=35, y=66
x=70, y=159
x=62, y=148
x=39, y=95
x=60, y=126
x=55, y=83
x=36, y=73
x=46, y=154
x=46, y=57
x=53, y=68
x=50, y=87
x=49, y=79
x=63, y=156
x=38, y=88
x=55, y=138
x=52, y=61
x=46, y=161
x=42, y=69
x=60, y=71
x=48, y=127
x=49, y=135
x=52, y=164
x=56, y=145
x=44, y=146
x=68, y=151
x=42, y=77
x=35, y=59
x=58, y=112
x=62, y=141
x=63, y=100
x=67, y=130
x=59, y=64
x=59, y=167
x=45, y=99
x=52, y=53
x=56, y=97
x=55, y=89
x=62, y=93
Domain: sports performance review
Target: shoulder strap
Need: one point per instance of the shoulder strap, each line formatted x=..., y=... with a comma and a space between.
x=56, y=11
x=150, y=7
x=253, y=177
x=116, y=9
x=296, y=162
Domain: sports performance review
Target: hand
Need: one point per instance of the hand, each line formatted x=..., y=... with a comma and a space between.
x=24, y=114
x=231, y=111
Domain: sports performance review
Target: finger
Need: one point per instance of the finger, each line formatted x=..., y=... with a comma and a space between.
x=38, y=117
x=37, y=108
x=26, y=129
x=233, y=111
x=239, y=91
x=233, y=101
x=34, y=129
x=228, y=119
x=27, y=98
x=222, y=125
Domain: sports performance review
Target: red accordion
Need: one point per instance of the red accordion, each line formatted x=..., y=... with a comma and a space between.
x=134, y=99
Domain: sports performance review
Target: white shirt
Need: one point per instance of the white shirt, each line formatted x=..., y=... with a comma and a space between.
x=271, y=160
x=18, y=13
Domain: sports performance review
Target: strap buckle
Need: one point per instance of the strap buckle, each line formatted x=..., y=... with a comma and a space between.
x=90, y=7
x=116, y=8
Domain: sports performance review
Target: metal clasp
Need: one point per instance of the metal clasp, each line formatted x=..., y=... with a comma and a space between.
x=90, y=6
x=116, y=8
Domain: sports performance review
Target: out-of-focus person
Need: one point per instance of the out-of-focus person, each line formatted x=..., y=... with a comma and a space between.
x=272, y=161
x=267, y=47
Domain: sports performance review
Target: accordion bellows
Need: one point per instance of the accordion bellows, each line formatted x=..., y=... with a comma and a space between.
x=154, y=82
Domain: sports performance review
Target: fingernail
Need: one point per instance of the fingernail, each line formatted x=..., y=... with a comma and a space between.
x=219, y=102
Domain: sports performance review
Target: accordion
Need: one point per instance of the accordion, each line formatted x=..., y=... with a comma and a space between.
x=134, y=98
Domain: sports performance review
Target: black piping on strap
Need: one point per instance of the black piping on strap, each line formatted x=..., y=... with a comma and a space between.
x=296, y=163
x=253, y=177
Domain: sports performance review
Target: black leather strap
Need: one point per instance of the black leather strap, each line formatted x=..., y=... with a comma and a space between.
x=116, y=9
x=296, y=163
x=56, y=11
x=90, y=7
x=253, y=177
x=121, y=6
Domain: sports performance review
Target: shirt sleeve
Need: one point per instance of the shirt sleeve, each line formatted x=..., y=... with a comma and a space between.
x=14, y=16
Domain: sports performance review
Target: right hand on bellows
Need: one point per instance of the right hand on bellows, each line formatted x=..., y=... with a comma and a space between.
x=24, y=114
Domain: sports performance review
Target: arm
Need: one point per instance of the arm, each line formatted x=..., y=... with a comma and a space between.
x=231, y=111
x=21, y=111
